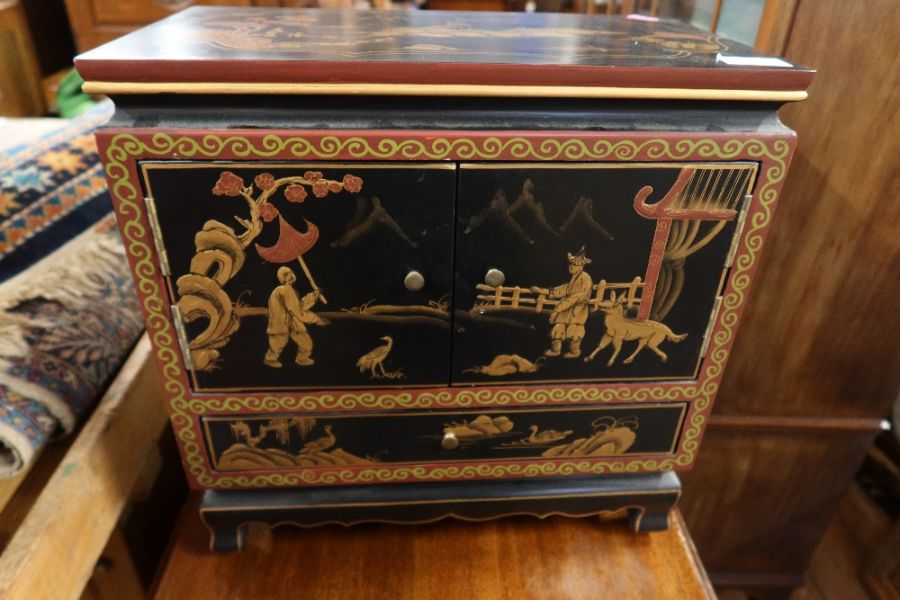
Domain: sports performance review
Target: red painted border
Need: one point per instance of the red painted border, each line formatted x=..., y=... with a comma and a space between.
x=386, y=73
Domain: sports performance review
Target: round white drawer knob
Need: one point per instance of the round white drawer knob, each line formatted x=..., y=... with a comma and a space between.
x=450, y=441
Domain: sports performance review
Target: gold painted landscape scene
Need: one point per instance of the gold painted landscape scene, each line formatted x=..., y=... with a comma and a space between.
x=306, y=442
x=367, y=275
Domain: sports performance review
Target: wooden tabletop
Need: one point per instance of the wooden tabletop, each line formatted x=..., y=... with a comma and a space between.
x=517, y=558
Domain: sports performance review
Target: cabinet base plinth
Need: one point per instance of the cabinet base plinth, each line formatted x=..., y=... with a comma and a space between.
x=645, y=499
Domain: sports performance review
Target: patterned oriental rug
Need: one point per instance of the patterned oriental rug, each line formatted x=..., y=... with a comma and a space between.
x=68, y=312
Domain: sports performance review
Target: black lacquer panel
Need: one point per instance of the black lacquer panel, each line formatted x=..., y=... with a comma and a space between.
x=360, y=229
x=531, y=222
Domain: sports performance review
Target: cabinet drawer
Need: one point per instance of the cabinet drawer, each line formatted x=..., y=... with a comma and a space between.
x=591, y=272
x=276, y=442
x=245, y=246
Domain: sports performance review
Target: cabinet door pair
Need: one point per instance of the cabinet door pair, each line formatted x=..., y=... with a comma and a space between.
x=288, y=276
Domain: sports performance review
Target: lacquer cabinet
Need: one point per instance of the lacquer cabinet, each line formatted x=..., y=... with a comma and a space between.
x=394, y=270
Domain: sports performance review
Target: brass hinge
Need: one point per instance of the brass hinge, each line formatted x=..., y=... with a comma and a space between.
x=182, y=338
x=738, y=230
x=157, y=236
x=709, y=326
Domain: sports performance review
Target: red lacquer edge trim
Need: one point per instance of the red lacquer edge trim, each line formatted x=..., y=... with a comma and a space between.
x=742, y=252
x=388, y=73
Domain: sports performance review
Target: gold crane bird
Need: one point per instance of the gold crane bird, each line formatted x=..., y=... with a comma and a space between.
x=375, y=358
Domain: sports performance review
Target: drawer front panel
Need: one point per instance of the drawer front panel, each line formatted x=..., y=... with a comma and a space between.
x=247, y=245
x=591, y=272
x=253, y=443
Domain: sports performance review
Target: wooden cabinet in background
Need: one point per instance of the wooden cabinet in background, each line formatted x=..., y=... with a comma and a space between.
x=36, y=51
x=20, y=74
x=113, y=12
x=816, y=367
x=96, y=22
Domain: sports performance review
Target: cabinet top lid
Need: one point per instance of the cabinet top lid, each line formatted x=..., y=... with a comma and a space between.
x=220, y=50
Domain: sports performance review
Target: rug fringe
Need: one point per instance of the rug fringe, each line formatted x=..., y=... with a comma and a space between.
x=73, y=275
x=76, y=273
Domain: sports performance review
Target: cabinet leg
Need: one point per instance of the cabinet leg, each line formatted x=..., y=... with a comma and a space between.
x=649, y=518
x=226, y=538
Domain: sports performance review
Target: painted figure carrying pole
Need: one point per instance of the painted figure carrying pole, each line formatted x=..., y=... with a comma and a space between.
x=309, y=277
x=288, y=317
x=571, y=313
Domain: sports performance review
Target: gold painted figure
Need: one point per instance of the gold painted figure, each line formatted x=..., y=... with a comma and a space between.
x=288, y=317
x=570, y=314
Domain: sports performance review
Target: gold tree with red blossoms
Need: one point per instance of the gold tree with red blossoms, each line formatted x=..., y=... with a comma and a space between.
x=295, y=186
x=221, y=253
x=291, y=243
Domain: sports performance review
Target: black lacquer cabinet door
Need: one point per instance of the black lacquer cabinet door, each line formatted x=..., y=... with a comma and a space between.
x=307, y=276
x=591, y=272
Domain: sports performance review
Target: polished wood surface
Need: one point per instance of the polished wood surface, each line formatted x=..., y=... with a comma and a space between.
x=815, y=365
x=518, y=558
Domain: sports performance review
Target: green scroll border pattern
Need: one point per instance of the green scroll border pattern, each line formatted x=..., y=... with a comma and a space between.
x=125, y=147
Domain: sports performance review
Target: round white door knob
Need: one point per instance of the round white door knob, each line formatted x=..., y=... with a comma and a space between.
x=494, y=277
x=414, y=281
